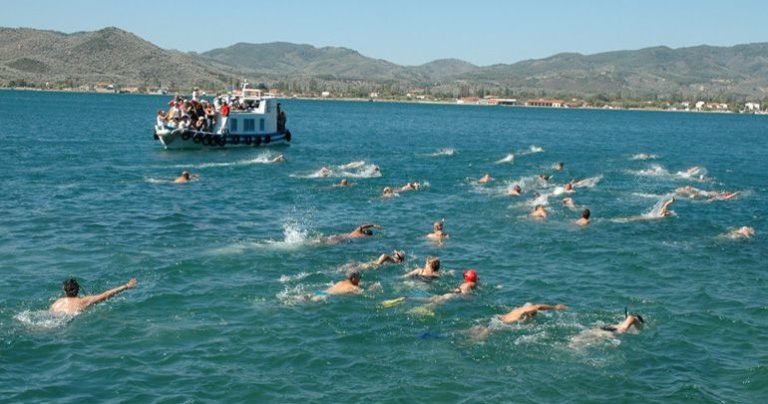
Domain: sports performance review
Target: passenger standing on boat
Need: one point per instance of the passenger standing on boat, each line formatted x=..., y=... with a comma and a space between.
x=161, y=119
x=224, y=117
x=195, y=94
x=217, y=102
x=281, y=119
x=210, y=115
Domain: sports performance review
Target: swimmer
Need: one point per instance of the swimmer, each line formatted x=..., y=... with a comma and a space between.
x=688, y=191
x=411, y=186
x=429, y=272
x=515, y=191
x=568, y=203
x=466, y=288
x=544, y=178
x=397, y=257
x=539, y=212
x=348, y=286
x=364, y=230
x=568, y=187
x=437, y=231
x=324, y=172
x=624, y=326
x=527, y=311
x=279, y=159
x=724, y=195
x=343, y=183
x=71, y=304
x=485, y=179
x=559, y=166
x=387, y=192
x=185, y=177
x=518, y=314
x=664, y=211
x=584, y=220
x=741, y=232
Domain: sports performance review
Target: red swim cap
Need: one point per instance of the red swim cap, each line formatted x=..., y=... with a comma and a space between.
x=470, y=275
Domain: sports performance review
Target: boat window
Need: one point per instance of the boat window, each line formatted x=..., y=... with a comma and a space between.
x=249, y=125
x=261, y=124
x=232, y=125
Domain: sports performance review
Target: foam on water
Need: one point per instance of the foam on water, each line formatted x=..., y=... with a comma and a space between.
x=644, y=156
x=590, y=182
x=695, y=173
x=509, y=158
x=355, y=169
x=267, y=157
x=447, y=151
x=43, y=319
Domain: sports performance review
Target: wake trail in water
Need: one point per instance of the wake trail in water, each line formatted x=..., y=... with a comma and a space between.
x=644, y=156
x=695, y=173
x=354, y=169
x=264, y=158
x=509, y=158
x=444, y=152
x=654, y=214
x=43, y=319
x=532, y=149
x=295, y=236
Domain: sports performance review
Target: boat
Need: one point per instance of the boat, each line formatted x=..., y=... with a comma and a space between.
x=255, y=119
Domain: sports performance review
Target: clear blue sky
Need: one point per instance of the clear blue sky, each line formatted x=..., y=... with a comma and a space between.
x=412, y=32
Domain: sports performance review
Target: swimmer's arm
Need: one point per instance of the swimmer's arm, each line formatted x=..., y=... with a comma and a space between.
x=383, y=258
x=90, y=300
x=543, y=307
x=412, y=273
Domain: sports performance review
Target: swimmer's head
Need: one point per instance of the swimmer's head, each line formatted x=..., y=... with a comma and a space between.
x=585, y=214
x=185, y=174
x=368, y=232
x=344, y=182
x=398, y=255
x=433, y=263
x=470, y=275
x=438, y=225
x=387, y=190
x=568, y=186
x=354, y=277
x=71, y=287
x=517, y=188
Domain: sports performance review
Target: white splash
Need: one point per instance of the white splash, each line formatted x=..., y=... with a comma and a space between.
x=43, y=319
x=263, y=158
x=447, y=151
x=590, y=182
x=151, y=180
x=644, y=156
x=509, y=158
x=354, y=169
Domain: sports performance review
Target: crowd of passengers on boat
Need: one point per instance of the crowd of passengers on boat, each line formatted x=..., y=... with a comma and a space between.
x=199, y=114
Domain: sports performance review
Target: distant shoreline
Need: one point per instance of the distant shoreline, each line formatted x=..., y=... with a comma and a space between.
x=397, y=101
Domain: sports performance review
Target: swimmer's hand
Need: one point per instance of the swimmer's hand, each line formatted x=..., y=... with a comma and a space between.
x=131, y=283
x=560, y=307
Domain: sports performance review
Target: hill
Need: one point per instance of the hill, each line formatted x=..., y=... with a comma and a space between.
x=35, y=57
x=108, y=55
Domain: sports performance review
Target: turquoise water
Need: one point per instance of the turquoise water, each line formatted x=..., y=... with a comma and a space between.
x=223, y=263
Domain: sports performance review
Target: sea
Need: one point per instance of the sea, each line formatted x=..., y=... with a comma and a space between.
x=231, y=266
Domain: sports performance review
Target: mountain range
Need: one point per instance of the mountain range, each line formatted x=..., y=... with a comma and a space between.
x=39, y=58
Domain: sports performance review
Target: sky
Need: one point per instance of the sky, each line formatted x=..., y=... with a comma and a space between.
x=482, y=32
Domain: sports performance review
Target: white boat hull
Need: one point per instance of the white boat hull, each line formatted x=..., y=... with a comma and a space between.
x=190, y=139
